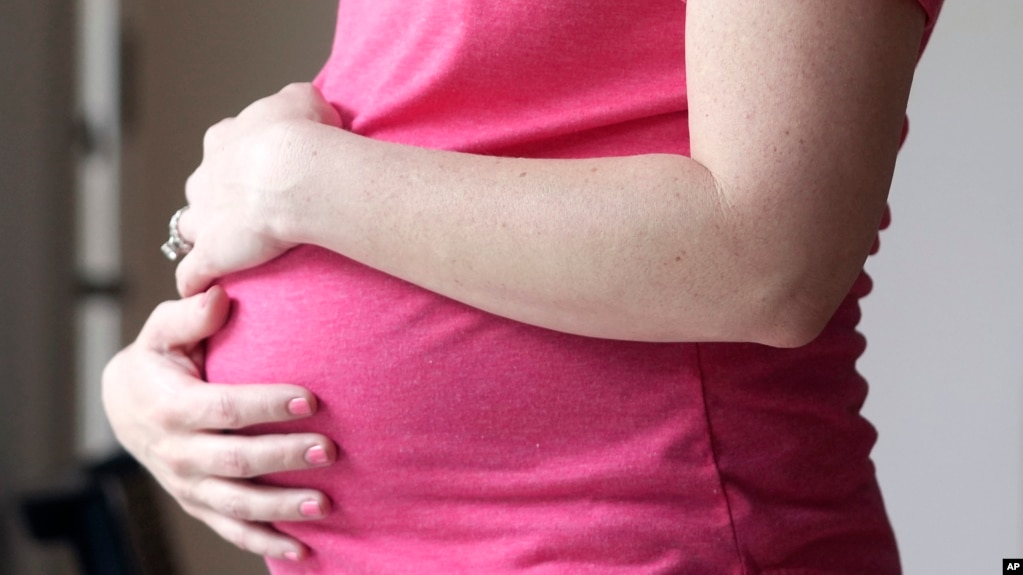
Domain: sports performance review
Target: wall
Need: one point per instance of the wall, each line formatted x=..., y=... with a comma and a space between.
x=36, y=391
x=945, y=323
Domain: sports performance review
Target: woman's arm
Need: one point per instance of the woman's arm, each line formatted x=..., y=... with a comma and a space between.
x=796, y=112
x=172, y=422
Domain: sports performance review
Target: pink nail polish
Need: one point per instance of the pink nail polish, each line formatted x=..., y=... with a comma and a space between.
x=291, y=556
x=310, y=509
x=316, y=455
x=299, y=407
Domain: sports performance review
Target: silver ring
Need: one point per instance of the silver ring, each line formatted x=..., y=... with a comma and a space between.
x=176, y=246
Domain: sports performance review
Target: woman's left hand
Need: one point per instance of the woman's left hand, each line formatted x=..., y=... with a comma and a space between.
x=247, y=161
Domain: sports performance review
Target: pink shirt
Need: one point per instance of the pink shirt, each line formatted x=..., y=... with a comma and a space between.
x=474, y=444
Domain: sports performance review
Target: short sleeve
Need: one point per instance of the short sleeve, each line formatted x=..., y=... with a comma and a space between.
x=931, y=8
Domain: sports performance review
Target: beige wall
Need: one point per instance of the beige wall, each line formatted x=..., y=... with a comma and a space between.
x=193, y=63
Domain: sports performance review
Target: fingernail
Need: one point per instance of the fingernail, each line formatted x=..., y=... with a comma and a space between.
x=310, y=509
x=299, y=407
x=316, y=455
x=291, y=556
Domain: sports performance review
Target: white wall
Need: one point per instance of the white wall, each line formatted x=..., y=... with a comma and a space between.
x=945, y=323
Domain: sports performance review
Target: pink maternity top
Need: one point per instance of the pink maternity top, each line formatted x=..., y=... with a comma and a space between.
x=473, y=444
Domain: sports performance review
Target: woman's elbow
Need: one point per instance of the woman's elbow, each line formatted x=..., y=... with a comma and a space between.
x=792, y=334
x=797, y=319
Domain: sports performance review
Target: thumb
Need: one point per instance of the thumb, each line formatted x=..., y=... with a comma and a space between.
x=193, y=274
x=186, y=322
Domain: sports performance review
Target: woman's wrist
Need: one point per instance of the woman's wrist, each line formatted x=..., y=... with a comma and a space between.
x=297, y=174
x=331, y=178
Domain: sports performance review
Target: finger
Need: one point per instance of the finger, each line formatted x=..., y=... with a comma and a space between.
x=267, y=109
x=217, y=135
x=253, y=537
x=194, y=273
x=186, y=322
x=195, y=184
x=235, y=456
x=245, y=501
x=187, y=223
x=294, y=101
x=235, y=406
x=307, y=93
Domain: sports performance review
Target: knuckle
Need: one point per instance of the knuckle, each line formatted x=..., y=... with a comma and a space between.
x=112, y=377
x=175, y=462
x=192, y=187
x=161, y=313
x=164, y=308
x=209, y=139
x=180, y=490
x=165, y=416
x=190, y=509
x=224, y=412
x=236, y=507
x=234, y=534
x=178, y=466
x=180, y=273
x=149, y=454
x=189, y=491
x=215, y=134
x=154, y=332
x=245, y=540
x=232, y=463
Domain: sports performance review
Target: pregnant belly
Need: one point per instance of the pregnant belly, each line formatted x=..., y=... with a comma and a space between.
x=462, y=430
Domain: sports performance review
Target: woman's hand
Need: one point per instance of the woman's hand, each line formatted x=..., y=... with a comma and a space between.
x=246, y=163
x=172, y=422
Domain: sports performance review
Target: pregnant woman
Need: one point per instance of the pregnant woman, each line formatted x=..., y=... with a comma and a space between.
x=571, y=287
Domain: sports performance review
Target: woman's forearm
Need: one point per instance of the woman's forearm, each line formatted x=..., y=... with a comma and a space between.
x=633, y=248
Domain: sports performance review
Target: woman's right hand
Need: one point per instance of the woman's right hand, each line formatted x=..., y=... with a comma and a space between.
x=173, y=422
